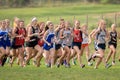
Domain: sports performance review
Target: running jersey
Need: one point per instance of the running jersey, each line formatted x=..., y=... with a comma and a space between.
x=113, y=37
x=50, y=37
x=34, y=30
x=77, y=35
x=68, y=38
x=100, y=37
x=20, y=40
x=3, y=38
x=85, y=38
x=3, y=35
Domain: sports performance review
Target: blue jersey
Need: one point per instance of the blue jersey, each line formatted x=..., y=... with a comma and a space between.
x=50, y=39
x=3, y=38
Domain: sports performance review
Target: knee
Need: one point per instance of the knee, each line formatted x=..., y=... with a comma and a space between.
x=114, y=51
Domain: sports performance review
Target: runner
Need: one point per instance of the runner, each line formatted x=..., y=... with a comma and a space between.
x=49, y=39
x=85, y=45
x=112, y=44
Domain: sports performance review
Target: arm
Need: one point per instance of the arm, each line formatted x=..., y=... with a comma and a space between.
x=90, y=36
x=61, y=34
x=14, y=33
x=30, y=32
x=44, y=38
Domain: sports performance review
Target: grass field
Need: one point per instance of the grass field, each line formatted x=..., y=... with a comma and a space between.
x=94, y=12
x=75, y=72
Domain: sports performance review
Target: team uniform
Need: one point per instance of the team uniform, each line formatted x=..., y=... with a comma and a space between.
x=18, y=42
x=34, y=39
x=67, y=41
x=3, y=38
x=113, y=39
x=50, y=39
x=77, y=39
x=100, y=40
x=85, y=40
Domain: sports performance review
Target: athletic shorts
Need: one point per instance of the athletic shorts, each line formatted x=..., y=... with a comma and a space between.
x=57, y=46
x=46, y=47
x=84, y=45
x=13, y=46
x=8, y=43
x=78, y=44
x=31, y=44
x=2, y=45
x=114, y=44
x=102, y=46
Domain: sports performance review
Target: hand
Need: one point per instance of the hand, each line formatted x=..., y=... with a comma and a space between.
x=36, y=34
x=49, y=44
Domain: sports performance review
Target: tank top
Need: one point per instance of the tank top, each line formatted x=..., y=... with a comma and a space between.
x=85, y=38
x=113, y=37
x=67, y=40
x=100, y=37
x=77, y=35
x=20, y=40
x=34, y=30
x=3, y=35
x=50, y=36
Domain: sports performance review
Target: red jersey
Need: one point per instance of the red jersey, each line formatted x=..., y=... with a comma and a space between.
x=77, y=35
x=20, y=40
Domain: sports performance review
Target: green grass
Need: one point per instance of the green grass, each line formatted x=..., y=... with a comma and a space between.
x=75, y=72
x=54, y=13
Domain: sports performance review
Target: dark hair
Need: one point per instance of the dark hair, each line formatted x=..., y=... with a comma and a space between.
x=46, y=27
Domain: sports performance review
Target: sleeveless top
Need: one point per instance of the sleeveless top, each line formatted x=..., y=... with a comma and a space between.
x=20, y=40
x=100, y=37
x=50, y=36
x=85, y=38
x=77, y=35
x=113, y=37
x=3, y=35
x=34, y=30
x=67, y=40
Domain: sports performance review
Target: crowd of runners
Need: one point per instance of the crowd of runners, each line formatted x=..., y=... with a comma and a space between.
x=58, y=45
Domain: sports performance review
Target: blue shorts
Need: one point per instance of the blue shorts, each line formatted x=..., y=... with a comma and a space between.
x=3, y=43
x=46, y=47
x=8, y=43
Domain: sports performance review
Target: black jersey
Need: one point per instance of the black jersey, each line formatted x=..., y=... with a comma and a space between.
x=34, y=30
x=113, y=37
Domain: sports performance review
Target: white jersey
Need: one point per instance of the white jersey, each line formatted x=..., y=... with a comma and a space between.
x=85, y=38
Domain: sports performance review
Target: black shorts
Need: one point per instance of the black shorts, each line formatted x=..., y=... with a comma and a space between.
x=114, y=44
x=31, y=44
x=57, y=46
x=102, y=46
x=16, y=46
x=78, y=44
x=13, y=46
